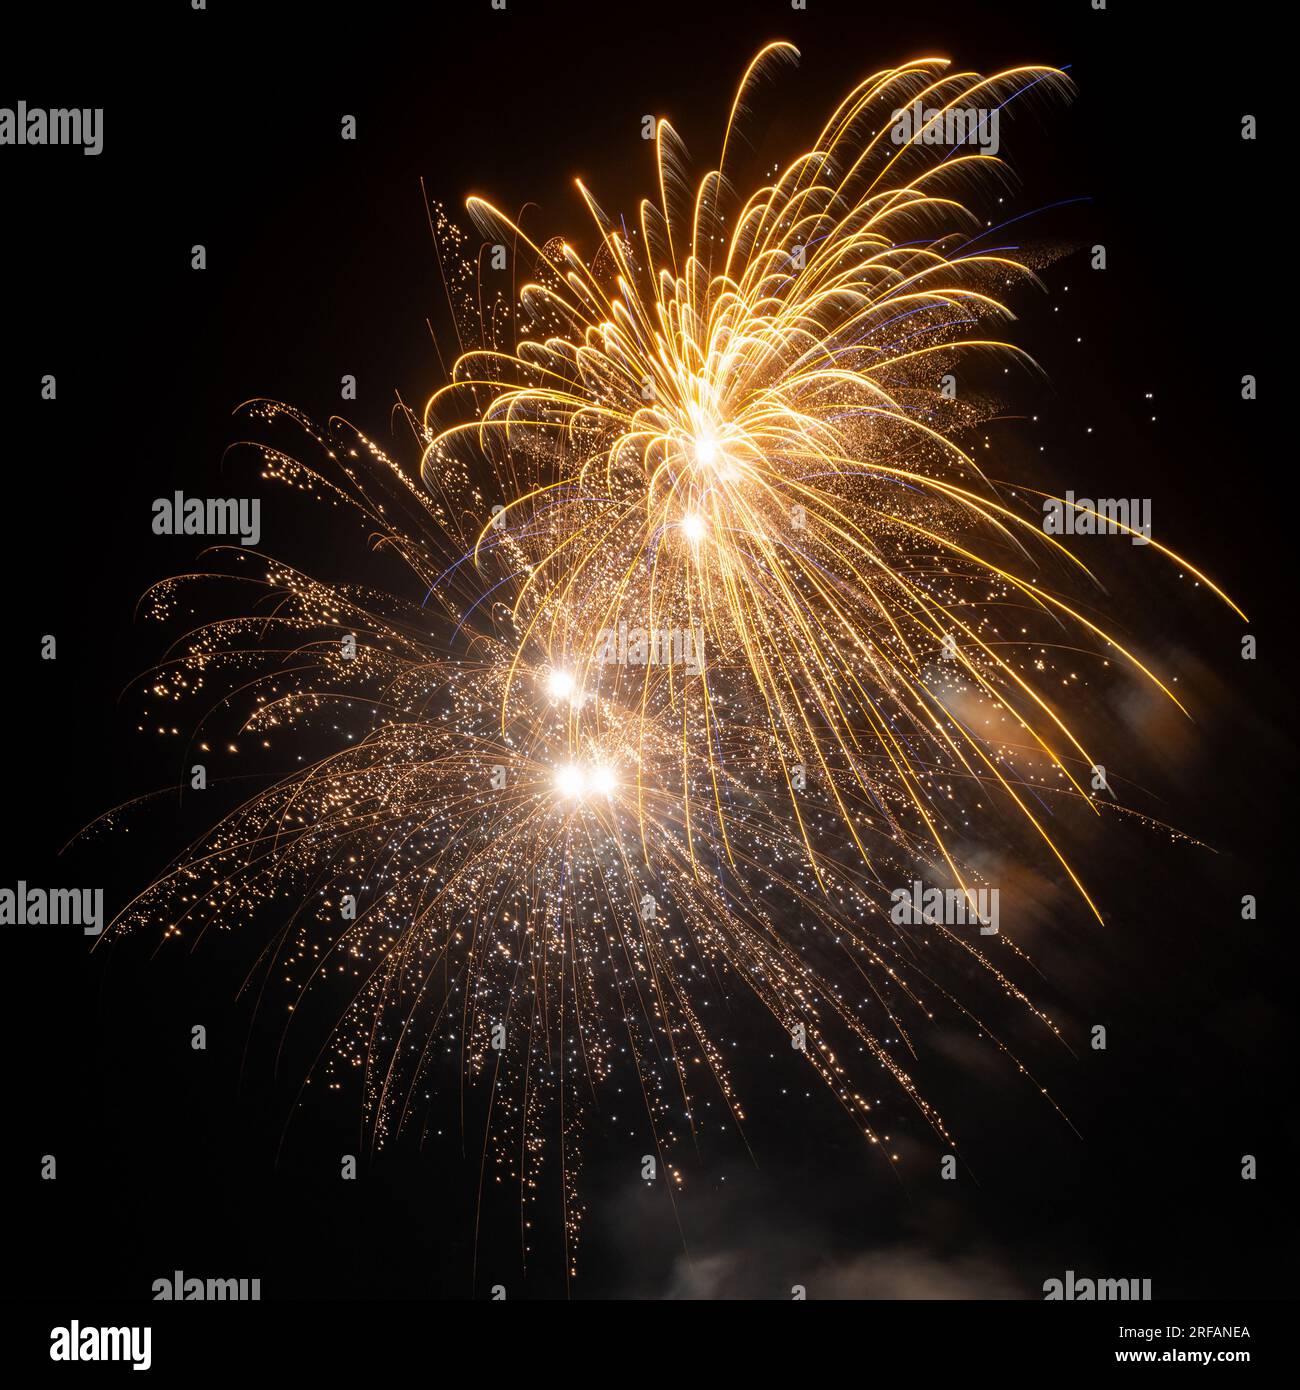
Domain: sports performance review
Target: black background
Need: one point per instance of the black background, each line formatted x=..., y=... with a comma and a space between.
x=222, y=128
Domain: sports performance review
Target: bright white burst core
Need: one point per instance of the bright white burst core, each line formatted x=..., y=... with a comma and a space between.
x=570, y=780
x=574, y=781
x=560, y=685
x=693, y=527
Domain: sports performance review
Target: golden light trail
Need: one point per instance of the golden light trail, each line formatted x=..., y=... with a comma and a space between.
x=762, y=376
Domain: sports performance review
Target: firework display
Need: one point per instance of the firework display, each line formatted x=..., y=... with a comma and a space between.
x=710, y=647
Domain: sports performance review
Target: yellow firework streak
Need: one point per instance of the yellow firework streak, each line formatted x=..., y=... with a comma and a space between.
x=733, y=420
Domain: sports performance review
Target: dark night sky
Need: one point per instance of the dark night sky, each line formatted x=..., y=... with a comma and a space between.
x=222, y=128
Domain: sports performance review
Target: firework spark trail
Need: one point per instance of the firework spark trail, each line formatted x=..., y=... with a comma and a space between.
x=546, y=861
x=723, y=424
